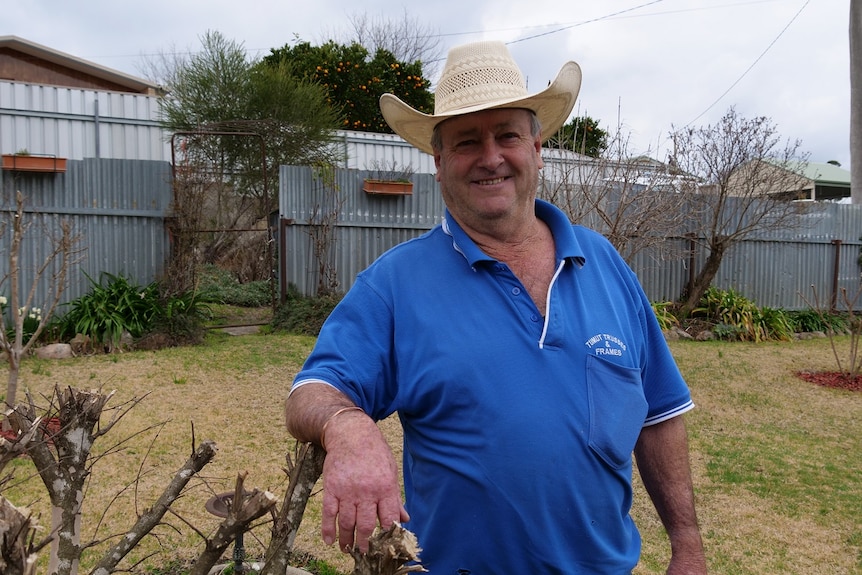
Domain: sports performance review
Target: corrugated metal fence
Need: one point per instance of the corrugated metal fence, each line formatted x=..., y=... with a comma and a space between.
x=776, y=269
x=117, y=207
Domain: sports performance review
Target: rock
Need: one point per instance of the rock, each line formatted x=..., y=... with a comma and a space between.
x=54, y=351
x=705, y=335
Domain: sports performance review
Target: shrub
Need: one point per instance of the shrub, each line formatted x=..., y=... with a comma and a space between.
x=773, y=323
x=810, y=320
x=219, y=285
x=738, y=318
x=116, y=305
x=304, y=315
x=664, y=314
x=729, y=308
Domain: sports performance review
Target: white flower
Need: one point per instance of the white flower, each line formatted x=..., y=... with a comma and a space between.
x=3, y=300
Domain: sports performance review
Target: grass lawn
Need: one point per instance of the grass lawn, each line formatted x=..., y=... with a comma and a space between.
x=777, y=461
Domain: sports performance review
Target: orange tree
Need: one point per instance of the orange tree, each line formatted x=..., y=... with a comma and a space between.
x=582, y=135
x=355, y=80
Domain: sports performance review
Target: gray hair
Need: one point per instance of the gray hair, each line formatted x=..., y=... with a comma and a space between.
x=437, y=142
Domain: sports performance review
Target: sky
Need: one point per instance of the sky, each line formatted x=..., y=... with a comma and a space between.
x=649, y=66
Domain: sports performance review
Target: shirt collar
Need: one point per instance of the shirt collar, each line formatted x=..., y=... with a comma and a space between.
x=566, y=243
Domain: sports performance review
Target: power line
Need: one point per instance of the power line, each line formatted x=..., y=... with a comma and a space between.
x=753, y=64
x=575, y=25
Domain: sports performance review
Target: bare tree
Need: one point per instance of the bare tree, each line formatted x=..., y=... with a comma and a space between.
x=856, y=101
x=62, y=254
x=633, y=201
x=745, y=183
x=409, y=38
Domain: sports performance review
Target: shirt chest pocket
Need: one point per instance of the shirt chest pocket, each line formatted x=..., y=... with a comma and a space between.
x=617, y=409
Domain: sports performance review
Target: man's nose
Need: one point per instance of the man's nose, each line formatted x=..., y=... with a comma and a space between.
x=490, y=154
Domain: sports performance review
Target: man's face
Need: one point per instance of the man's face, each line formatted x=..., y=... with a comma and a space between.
x=488, y=167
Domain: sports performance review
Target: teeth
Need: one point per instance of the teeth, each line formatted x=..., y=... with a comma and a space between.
x=491, y=182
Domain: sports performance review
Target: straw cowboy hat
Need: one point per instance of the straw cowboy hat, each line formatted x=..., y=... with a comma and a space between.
x=483, y=76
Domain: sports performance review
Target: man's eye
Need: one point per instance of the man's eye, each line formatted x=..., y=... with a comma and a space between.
x=465, y=143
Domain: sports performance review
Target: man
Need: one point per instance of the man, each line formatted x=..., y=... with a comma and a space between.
x=519, y=351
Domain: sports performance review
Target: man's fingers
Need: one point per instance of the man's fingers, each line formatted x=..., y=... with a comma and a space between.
x=346, y=525
x=366, y=521
x=327, y=522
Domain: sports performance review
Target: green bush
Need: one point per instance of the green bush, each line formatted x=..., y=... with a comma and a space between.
x=738, y=318
x=304, y=315
x=219, y=285
x=664, y=314
x=774, y=324
x=116, y=305
x=810, y=320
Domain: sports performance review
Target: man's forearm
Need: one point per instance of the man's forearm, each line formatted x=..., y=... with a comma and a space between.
x=309, y=407
x=663, y=463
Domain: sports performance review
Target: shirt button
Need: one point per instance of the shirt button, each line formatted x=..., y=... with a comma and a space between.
x=516, y=291
x=534, y=317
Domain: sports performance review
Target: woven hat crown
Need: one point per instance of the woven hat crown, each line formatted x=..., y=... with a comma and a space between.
x=476, y=74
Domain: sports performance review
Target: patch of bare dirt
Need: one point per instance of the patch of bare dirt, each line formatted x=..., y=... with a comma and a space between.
x=833, y=379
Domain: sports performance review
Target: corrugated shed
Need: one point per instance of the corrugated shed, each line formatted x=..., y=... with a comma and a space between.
x=76, y=124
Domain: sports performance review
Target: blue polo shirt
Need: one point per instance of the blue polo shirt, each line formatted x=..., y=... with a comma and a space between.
x=518, y=428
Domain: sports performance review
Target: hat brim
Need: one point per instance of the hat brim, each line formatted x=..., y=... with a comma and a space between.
x=552, y=107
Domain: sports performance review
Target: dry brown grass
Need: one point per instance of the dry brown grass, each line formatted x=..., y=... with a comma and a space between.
x=776, y=460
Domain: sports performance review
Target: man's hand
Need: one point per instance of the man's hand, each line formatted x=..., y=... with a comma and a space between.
x=360, y=482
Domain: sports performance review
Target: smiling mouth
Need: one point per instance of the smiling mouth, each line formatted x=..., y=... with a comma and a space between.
x=491, y=182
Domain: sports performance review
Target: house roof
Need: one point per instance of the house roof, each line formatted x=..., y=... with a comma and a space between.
x=82, y=68
x=819, y=174
x=827, y=174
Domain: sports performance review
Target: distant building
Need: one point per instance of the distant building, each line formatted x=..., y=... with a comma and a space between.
x=31, y=63
x=815, y=182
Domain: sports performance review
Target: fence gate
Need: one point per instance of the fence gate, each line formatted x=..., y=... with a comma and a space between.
x=219, y=222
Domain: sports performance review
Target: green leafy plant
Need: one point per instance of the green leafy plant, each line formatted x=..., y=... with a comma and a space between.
x=114, y=305
x=812, y=320
x=219, y=285
x=304, y=315
x=774, y=324
x=732, y=309
x=664, y=314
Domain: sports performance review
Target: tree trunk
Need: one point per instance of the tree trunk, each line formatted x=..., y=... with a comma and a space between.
x=303, y=476
x=703, y=279
x=64, y=476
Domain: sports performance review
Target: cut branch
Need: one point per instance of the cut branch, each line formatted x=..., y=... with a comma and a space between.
x=151, y=518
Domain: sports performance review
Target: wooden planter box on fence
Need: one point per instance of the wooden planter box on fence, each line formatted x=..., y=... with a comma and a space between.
x=28, y=163
x=387, y=187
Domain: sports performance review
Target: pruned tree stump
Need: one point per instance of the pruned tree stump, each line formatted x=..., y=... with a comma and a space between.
x=388, y=551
